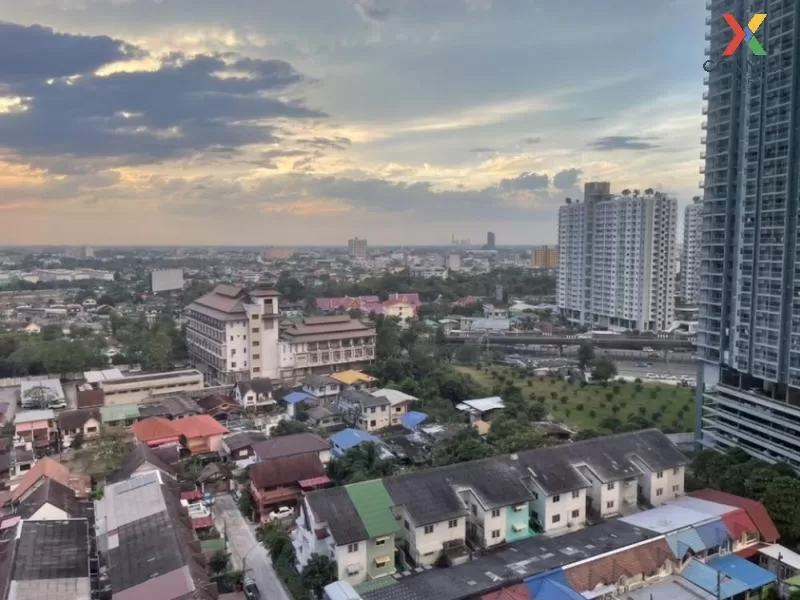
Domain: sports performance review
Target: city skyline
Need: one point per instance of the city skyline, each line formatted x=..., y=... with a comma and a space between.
x=179, y=123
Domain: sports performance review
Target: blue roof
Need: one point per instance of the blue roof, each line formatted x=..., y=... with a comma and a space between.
x=684, y=541
x=709, y=579
x=713, y=534
x=296, y=397
x=350, y=438
x=750, y=574
x=413, y=419
x=551, y=585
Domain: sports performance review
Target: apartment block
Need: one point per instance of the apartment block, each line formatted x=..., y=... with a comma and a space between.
x=690, y=252
x=617, y=260
x=357, y=248
x=748, y=334
x=544, y=257
x=441, y=512
x=119, y=388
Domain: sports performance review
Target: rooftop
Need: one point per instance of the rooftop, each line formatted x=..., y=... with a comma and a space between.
x=394, y=397
x=52, y=386
x=55, y=494
x=198, y=426
x=363, y=398
x=288, y=445
x=52, y=469
x=155, y=429
x=481, y=405
x=285, y=470
x=243, y=439
x=313, y=330
x=351, y=377
x=32, y=416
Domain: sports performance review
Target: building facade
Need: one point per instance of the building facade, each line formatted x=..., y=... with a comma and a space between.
x=749, y=291
x=617, y=260
x=544, y=257
x=690, y=252
x=357, y=248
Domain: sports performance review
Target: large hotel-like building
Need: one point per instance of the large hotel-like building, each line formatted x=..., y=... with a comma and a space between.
x=749, y=288
x=617, y=259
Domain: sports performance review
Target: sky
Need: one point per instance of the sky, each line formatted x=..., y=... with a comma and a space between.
x=299, y=122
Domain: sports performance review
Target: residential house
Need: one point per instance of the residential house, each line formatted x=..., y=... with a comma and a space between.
x=220, y=407
x=52, y=501
x=292, y=445
x=256, y=393
x=81, y=422
x=156, y=431
x=238, y=447
x=170, y=407
x=322, y=417
x=344, y=440
x=780, y=560
x=200, y=434
x=355, y=380
x=481, y=409
x=146, y=539
x=400, y=403
x=36, y=426
x=325, y=389
x=138, y=460
x=295, y=400
x=363, y=410
x=120, y=415
x=282, y=481
x=89, y=397
x=353, y=525
x=47, y=468
x=400, y=309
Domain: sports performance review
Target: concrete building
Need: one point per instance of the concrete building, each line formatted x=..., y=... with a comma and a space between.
x=748, y=335
x=166, y=280
x=135, y=389
x=690, y=253
x=357, y=248
x=544, y=257
x=617, y=260
x=490, y=240
x=453, y=261
x=278, y=253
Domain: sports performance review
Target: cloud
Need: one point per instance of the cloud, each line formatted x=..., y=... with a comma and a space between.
x=480, y=150
x=526, y=181
x=567, y=178
x=335, y=143
x=532, y=140
x=623, y=142
x=39, y=53
x=218, y=102
x=592, y=119
x=369, y=12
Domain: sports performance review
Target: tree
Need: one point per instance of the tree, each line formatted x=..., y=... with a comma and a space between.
x=102, y=454
x=585, y=355
x=77, y=441
x=219, y=561
x=603, y=369
x=40, y=396
x=287, y=427
x=360, y=463
x=318, y=572
x=246, y=504
x=463, y=446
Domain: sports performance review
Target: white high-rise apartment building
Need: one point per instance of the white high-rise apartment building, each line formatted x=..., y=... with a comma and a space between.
x=357, y=248
x=690, y=253
x=617, y=260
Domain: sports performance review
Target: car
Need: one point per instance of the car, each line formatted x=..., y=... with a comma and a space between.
x=280, y=513
x=251, y=590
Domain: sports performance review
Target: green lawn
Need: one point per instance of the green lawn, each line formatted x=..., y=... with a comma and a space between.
x=667, y=407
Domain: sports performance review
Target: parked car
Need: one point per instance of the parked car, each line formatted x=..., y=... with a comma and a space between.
x=280, y=513
x=251, y=590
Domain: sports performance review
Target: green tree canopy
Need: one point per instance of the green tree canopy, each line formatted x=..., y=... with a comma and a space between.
x=463, y=446
x=603, y=368
x=360, y=463
x=318, y=572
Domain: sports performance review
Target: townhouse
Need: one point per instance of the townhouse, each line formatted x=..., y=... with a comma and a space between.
x=368, y=412
x=495, y=501
x=400, y=403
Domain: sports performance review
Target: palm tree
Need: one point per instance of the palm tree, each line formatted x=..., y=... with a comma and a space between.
x=648, y=192
x=636, y=193
x=626, y=192
x=569, y=200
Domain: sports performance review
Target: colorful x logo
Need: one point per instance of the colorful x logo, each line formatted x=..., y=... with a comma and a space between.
x=741, y=35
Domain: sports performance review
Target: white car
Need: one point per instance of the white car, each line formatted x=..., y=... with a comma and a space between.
x=280, y=513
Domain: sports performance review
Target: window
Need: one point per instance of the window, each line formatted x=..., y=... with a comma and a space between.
x=428, y=529
x=231, y=338
x=610, y=504
x=659, y=492
x=381, y=541
x=383, y=409
x=535, y=496
x=256, y=330
x=405, y=524
x=495, y=534
x=233, y=365
x=233, y=351
x=556, y=518
x=256, y=369
x=576, y=514
x=398, y=409
x=557, y=498
x=676, y=470
x=382, y=561
x=255, y=317
x=452, y=524
x=352, y=548
x=372, y=410
x=660, y=475
x=496, y=512
x=256, y=356
x=576, y=494
x=474, y=510
x=519, y=508
x=676, y=488
x=256, y=344
x=373, y=423
x=611, y=486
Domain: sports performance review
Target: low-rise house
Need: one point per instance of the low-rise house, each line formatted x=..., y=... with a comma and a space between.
x=292, y=445
x=200, y=434
x=220, y=407
x=344, y=440
x=481, y=409
x=47, y=468
x=138, y=460
x=79, y=422
x=255, y=393
x=170, y=407
x=400, y=403
x=282, y=481
x=322, y=417
x=156, y=431
x=120, y=414
x=356, y=380
x=238, y=447
x=37, y=427
x=52, y=501
x=363, y=410
x=325, y=389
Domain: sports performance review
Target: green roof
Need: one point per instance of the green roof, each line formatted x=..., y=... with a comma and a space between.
x=374, y=506
x=119, y=412
x=212, y=545
x=375, y=584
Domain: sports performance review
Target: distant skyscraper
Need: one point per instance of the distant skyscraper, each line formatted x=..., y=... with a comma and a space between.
x=690, y=253
x=79, y=252
x=748, y=333
x=490, y=244
x=357, y=248
x=453, y=261
x=616, y=264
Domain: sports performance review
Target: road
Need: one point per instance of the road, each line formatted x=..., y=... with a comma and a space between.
x=243, y=545
x=660, y=368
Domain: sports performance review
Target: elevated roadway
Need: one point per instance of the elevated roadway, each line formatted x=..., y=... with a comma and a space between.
x=610, y=341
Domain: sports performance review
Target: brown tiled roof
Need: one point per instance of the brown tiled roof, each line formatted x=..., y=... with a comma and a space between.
x=91, y=398
x=515, y=592
x=198, y=426
x=153, y=429
x=642, y=559
x=226, y=299
x=288, y=469
x=52, y=469
x=75, y=419
x=754, y=509
x=289, y=445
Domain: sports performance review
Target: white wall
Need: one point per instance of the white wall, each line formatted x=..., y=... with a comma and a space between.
x=568, y=510
x=236, y=339
x=486, y=521
x=345, y=558
x=48, y=512
x=670, y=484
x=426, y=548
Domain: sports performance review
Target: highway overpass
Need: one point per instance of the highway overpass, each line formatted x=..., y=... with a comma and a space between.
x=610, y=341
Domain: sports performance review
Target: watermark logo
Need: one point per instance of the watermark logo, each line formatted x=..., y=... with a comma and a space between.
x=747, y=34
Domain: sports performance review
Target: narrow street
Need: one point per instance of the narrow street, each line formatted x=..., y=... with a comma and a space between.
x=244, y=548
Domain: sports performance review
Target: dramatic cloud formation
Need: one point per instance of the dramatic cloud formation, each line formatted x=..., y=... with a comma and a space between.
x=308, y=121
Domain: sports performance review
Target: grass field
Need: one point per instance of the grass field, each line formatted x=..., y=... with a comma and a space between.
x=667, y=407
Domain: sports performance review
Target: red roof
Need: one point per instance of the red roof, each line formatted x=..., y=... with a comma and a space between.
x=155, y=429
x=199, y=426
x=515, y=592
x=314, y=481
x=202, y=522
x=754, y=509
x=739, y=523
x=286, y=470
x=191, y=495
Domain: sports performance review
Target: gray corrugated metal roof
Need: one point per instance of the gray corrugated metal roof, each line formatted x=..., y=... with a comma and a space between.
x=334, y=507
